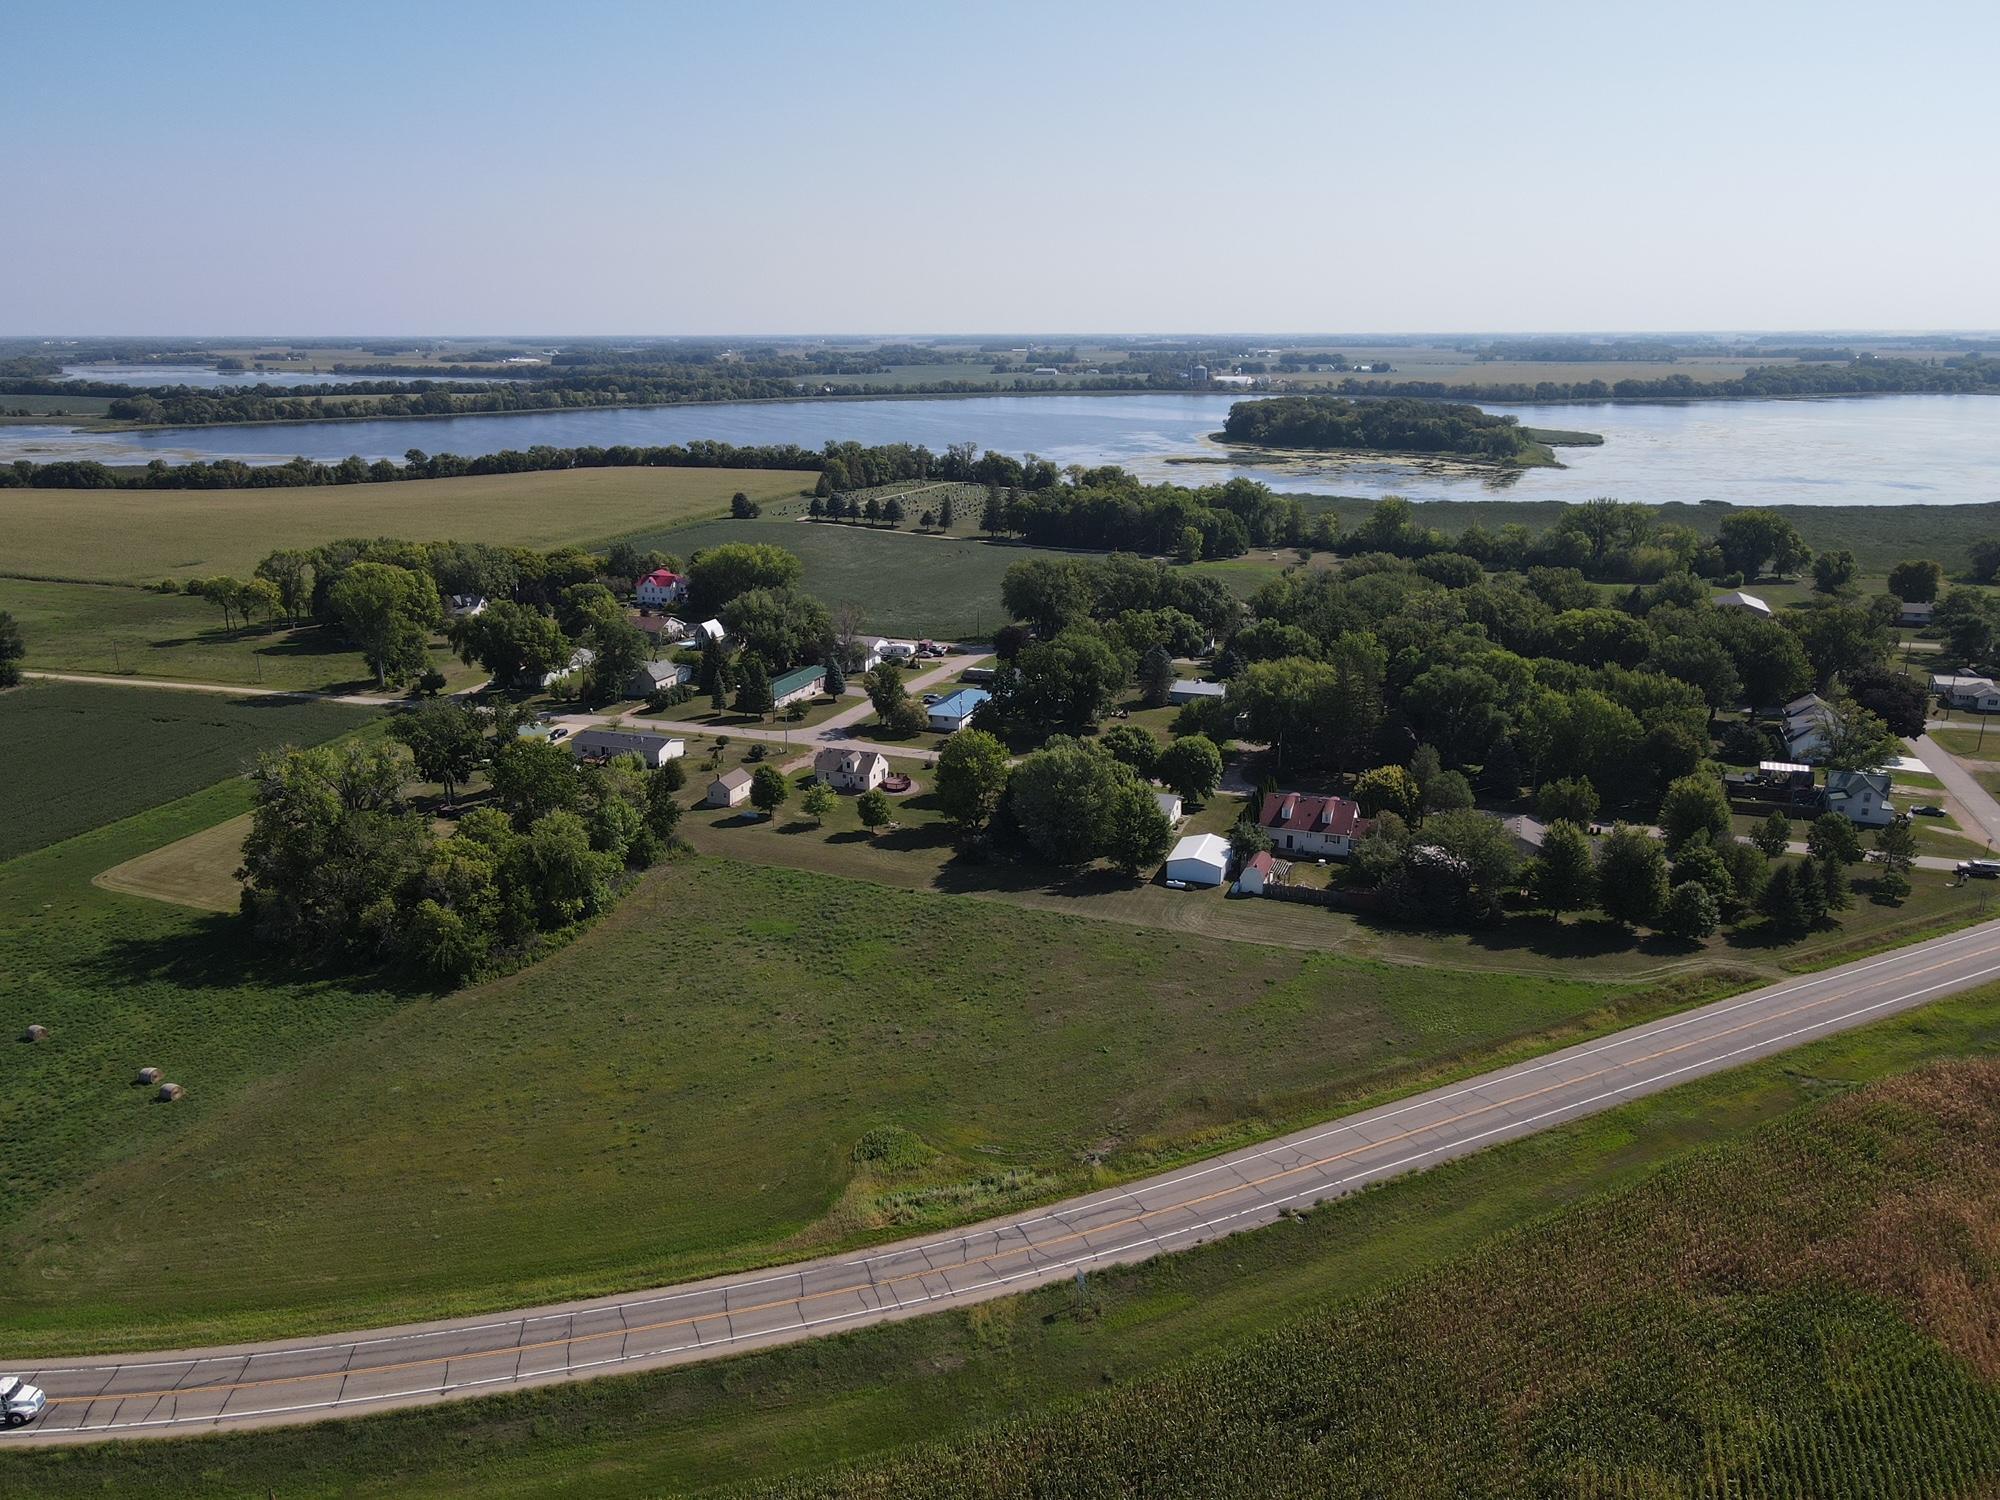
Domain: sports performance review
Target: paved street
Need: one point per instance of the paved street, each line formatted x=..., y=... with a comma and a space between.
x=188, y=1391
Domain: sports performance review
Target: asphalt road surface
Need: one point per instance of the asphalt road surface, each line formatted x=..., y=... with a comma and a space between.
x=303, y=1380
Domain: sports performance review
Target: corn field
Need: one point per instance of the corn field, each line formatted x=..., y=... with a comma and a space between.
x=1812, y=1313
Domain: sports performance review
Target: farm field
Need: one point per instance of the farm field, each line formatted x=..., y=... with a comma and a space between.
x=694, y=1079
x=196, y=871
x=1468, y=1237
x=131, y=632
x=80, y=756
x=128, y=536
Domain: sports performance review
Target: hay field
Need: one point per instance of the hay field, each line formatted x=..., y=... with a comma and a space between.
x=129, y=536
x=196, y=871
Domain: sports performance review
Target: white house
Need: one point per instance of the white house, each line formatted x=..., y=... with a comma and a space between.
x=1805, y=727
x=654, y=749
x=794, y=686
x=851, y=770
x=710, y=630
x=656, y=677
x=464, y=606
x=1258, y=871
x=730, y=789
x=1323, y=826
x=1860, y=797
x=1189, y=692
x=1967, y=692
x=1917, y=612
x=1749, y=603
x=949, y=715
x=1169, y=806
x=580, y=658
x=866, y=654
x=659, y=588
x=1199, y=859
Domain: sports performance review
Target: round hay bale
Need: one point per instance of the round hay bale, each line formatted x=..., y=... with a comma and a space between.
x=148, y=1076
x=169, y=1092
x=35, y=1033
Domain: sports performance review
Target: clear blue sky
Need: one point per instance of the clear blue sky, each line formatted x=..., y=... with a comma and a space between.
x=744, y=168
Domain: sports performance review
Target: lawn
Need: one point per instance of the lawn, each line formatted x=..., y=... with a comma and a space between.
x=130, y=536
x=79, y=756
x=687, y=1082
x=1512, y=1217
x=131, y=632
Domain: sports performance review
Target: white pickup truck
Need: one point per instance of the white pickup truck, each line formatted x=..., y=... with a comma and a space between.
x=22, y=1402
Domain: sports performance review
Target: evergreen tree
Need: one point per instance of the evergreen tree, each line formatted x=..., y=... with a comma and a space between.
x=894, y=511
x=753, y=692
x=1156, y=677
x=836, y=672
x=1631, y=876
x=1564, y=877
x=1833, y=880
x=1501, y=775
x=1781, y=902
x=1812, y=889
x=993, y=519
x=947, y=513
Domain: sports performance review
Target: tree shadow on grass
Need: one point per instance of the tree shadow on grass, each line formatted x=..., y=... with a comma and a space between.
x=219, y=951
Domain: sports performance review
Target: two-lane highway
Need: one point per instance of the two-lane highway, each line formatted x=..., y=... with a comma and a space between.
x=302, y=1380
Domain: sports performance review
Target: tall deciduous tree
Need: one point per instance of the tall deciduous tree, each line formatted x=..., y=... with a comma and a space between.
x=1565, y=875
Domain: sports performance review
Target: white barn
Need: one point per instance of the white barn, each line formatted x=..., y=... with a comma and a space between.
x=1199, y=859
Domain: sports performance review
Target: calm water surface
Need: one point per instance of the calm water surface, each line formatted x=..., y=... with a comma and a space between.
x=1886, y=450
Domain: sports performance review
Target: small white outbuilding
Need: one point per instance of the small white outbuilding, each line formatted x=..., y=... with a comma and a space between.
x=1199, y=859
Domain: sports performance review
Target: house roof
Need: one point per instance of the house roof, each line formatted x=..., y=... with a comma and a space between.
x=1209, y=848
x=623, y=739
x=1737, y=599
x=1201, y=688
x=1947, y=683
x=1167, y=802
x=1261, y=862
x=1332, y=816
x=852, y=761
x=799, y=677
x=960, y=704
x=661, y=671
x=665, y=578
x=1847, y=783
x=732, y=779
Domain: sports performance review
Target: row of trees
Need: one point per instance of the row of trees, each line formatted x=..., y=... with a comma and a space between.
x=1394, y=425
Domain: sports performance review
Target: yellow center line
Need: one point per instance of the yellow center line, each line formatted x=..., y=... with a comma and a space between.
x=998, y=1252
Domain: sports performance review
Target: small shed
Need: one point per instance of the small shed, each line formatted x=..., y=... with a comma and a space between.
x=1199, y=859
x=730, y=789
x=1258, y=871
x=1186, y=691
x=1169, y=805
x=1738, y=600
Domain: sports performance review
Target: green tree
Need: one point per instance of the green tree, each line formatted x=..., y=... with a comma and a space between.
x=816, y=802
x=1985, y=555
x=1631, y=876
x=1835, y=893
x=1572, y=799
x=1187, y=547
x=1774, y=835
x=1448, y=791
x=1691, y=912
x=1751, y=538
x=289, y=571
x=13, y=647
x=1479, y=847
x=1050, y=593
x=769, y=790
x=389, y=612
x=971, y=777
x=619, y=648
x=567, y=877
x=1916, y=582
x=894, y=511
x=836, y=672
x=1136, y=832
x=1834, y=839
x=1131, y=745
x=1564, y=877
x=1246, y=839
x=1389, y=789
x=517, y=645
x=445, y=741
x=1853, y=738
x=1897, y=844
x=1834, y=571
x=780, y=625
x=1694, y=804
x=753, y=686
x=947, y=512
x=1781, y=903
x=663, y=808
x=1192, y=766
x=1060, y=796
x=1156, y=677
x=531, y=778
x=875, y=810
x=716, y=575
x=1068, y=682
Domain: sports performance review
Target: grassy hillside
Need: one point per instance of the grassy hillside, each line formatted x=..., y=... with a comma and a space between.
x=143, y=535
x=691, y=1080
x=1068, y=1370
x=79, y=756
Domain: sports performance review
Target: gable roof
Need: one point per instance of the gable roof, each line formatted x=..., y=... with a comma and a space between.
x=1334, y=817
x=799, y=677
x=665, y=578
x=732, y=779
x=852, y=762
x=1261, y=862
x=1209, y=848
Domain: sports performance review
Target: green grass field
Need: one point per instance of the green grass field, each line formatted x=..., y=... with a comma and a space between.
x=1508, y=1219
x=689, y=1079
x=129, y=632
x=79, y=757
x=129, y=536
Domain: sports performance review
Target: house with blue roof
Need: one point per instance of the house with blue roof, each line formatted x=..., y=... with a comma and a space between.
x=949, y=715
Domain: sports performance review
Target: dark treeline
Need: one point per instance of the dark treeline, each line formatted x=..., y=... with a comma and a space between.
x=1394, y=425
x=1971, y=374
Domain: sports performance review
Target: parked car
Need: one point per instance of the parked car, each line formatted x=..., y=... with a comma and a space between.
x=558, y=732
x=1928, y=811
x=1980, y=869
x=930, y=698
x=21, y=1401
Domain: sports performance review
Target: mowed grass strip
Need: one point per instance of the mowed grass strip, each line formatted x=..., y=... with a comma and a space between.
x=78, y=756
x=734, y=1424
x=197, y=871
x=682, y=1091
x=129, y=536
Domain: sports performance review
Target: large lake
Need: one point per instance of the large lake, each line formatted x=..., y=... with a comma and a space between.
x=207, y=377
x=1882, y=450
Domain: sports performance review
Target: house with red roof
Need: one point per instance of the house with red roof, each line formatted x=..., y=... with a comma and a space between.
x=659, y=588
x=1258, y=871
x=1324, y=826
